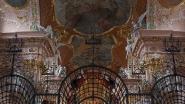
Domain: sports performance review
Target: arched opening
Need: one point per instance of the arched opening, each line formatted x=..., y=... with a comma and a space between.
x=95, y=83
x=169, y=90
x=15, y=89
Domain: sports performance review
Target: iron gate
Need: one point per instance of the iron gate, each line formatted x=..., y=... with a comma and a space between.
x=15, y=89
x=169, y=90
x=93, y=83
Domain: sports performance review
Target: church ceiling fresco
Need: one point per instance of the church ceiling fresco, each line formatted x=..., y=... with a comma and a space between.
x=70, y=21
x=54, y=14
x=48, y=16
x=92, y=16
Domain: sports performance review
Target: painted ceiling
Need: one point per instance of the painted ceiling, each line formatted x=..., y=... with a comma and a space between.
x=92, y=16
x=84, y=17
x=75, y=21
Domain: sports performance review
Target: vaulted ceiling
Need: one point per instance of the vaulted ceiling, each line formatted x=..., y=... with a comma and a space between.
x=86, y=17
x=76, y=21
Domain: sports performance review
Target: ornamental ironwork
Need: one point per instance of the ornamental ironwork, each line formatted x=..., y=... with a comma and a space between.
x=92, y=83
x=171, y=88
x=16, y=89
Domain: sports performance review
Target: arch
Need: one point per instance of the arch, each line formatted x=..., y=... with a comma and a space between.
x=92, y=80
x=169, y=90
x=15, y=89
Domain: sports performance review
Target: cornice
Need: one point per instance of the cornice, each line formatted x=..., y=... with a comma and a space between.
x=39, y=38
x=155, y=36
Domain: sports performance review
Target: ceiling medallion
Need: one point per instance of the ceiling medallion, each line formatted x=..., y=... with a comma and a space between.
x=17, y=3
x=92, y=16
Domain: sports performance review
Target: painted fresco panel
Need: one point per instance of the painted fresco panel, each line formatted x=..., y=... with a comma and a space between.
x=92, y=16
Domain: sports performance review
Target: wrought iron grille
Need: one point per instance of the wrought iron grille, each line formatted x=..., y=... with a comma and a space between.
x=90, y=84
x=169, y=90
x=15, y=89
